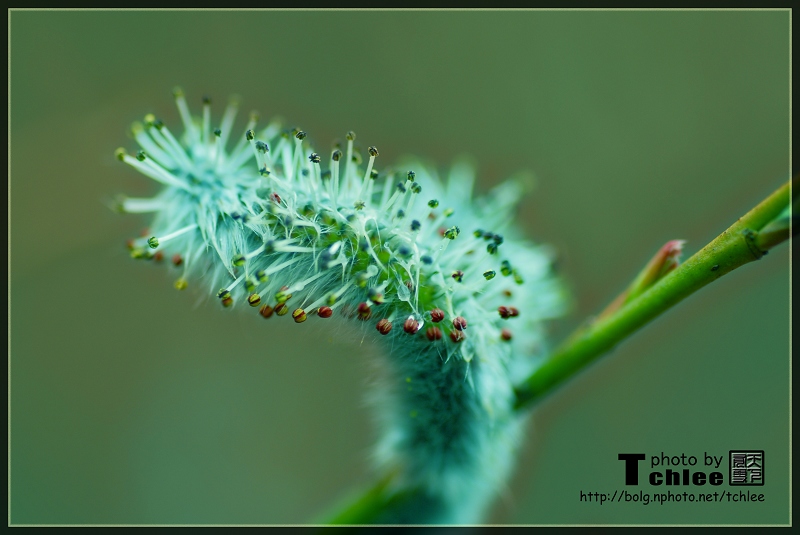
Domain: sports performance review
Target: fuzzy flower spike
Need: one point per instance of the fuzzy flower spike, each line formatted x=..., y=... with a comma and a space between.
x=446, y=281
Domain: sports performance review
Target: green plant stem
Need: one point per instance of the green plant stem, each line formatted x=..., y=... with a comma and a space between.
x=735, y=247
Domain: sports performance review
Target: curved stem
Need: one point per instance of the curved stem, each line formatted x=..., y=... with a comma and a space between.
x=735, y=247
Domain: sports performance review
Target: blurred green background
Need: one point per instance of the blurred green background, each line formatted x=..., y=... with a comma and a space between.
x=134, y=403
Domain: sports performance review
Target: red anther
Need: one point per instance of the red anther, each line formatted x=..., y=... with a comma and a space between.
x=145, y=232
x=364, y=312
x=281, y=309
x=504, y=312
x=299, y=315
x=384, y=326
x=431, y=216
x=325, y=312
x=433, y=333
x=275, y=198
x=507, y=293
x=411, y=326
x=266, y=311
x=459, y=323
x=513, y=312
x=505, y=335
x=227, y=302
x=442, y=230
x=437, y=315
x=177, y=259
x=457, y=336
x=159, y=256
x=129, y=244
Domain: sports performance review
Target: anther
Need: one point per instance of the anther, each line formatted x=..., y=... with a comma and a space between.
x=159, y=256
x=314, y=157
x=373, y=151
x=416, y=188
x=459, y=323
x=517, y=277
x=384, y=326
x=262, y=276
x=177, y=260
x=433, y=203
x=153, y=242
x=249, y=285
x=457, y=336
x=478, y=233
x=458, y=275
x=401, y=214
x=299, y=315
x=452, y=233
x=373, y=174
x=336, y=156
x=249, y=135
x=411, y=176
x=513, y=312
x=266, y=311
x=181, y=284
x=375, y=296
x=505, y=335
x=433, y=333
x=505, y=268
x=223, y=293
x=217, y=132
x=491, y=248
x=281, y=309
x=411, y=326
x=489, y=274
x=283, y=295
x=498, y=239
x=300, y=135
x=351, y=136
x=427, y=260
x=437, y=315
x=254, y=300
x=325, y=312
x=141, y=156
x=415, y=225
x=504, y=312
x=401, y=187
x=227, y=302
x=364, y=311
x=238, y=260
x=262, y=147
x=120, y=154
